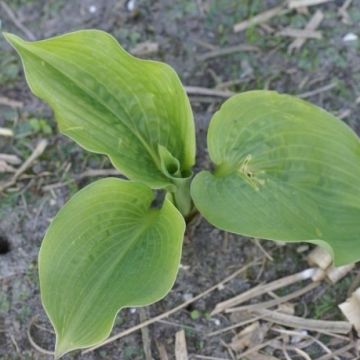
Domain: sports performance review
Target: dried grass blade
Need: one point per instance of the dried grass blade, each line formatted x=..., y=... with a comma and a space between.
x=338, y=327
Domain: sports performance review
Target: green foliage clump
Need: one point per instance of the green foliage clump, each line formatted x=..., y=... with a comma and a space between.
x=284, y=169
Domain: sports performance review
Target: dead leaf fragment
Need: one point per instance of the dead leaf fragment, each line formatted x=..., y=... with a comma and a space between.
x=319, y=257
x=322, y=259
x=351, y=309
x=180, y=346
x=163, y=355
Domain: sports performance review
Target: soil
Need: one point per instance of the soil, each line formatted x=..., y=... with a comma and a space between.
x=184, y=31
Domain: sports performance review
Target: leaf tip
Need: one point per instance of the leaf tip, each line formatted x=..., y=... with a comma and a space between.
x=7, y=36
x=14, y=40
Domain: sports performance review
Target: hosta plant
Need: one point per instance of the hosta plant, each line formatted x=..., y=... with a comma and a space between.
x=282, y=169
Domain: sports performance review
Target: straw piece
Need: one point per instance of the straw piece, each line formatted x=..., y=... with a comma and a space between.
x=312, y=25
x=262, y=289
x=260, y=19
x=338, y=327
x=180, y=346
x=295, y=4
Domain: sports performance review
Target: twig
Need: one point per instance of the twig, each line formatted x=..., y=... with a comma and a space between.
x=343, y=114
x=145, y=335
x=163, y=355
x=173, y=310
x=258, y=244
x=43, y=328
x=227, y=51
x=343, y=12
x=262, y=289
x=337, y=352
x=316, y=91
x=9, y=102
x=339, y=327
x=272, y=303
x=300, y=334
x=32, y=342
x=16, y=21
x=227, y=84
x=12, y=338
x=231, y=327
x=172, y=323
x=97, y=172
x=257, y=347
x=196, y=90
x=261, y=18
x=57, y=185
x=260, y=356
x=294, y=4
x=334, y=274
x=312, y=25
x=83, y=175
x=337, y=336
x=300, y=33
x=204, y=44
x=204, y=357
x=40, y=147
x=203, y=100
x=38, y=212
x=301, y=353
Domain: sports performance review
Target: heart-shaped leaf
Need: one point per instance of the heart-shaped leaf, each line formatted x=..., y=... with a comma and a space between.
x=107, y=249
x=111, y=102
x=285, y=170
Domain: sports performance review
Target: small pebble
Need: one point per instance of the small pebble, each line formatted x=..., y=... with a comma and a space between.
x=131, y=4
x=184, y=267
x=217, y=322
x=92, y=9
x=52, y=202
x=188, y=296
x=350, y=37
x=132, y=311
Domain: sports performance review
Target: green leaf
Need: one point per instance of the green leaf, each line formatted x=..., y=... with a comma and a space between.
x=107, y=249
x=285, y=170
x=111, y=102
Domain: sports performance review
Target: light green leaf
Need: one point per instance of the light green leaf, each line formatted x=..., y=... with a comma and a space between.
x=107, y=249
x=111, y=102
x=285, y=170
